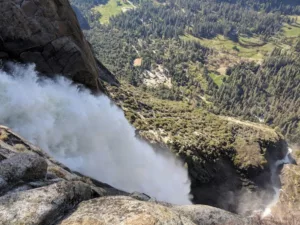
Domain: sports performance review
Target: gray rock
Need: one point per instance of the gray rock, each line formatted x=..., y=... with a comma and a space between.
x=207, y=215
x=23, y=187
x=130, y=211
x=47, y=33
x=3, y=154
x=42, y=205
x=25, y=167
x=3, y=184
x=124, y=210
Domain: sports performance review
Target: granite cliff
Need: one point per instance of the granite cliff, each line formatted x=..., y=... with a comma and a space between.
x=47, y=33
x=225, y=157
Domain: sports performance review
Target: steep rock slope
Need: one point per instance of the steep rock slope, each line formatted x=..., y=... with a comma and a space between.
x=35, y=189
x=229, y=161
x=47, y=33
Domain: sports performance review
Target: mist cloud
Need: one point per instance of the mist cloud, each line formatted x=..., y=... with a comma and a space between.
x=89, y=134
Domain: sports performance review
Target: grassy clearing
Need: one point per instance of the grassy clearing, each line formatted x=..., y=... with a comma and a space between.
x=229, y=53
x=252, y=48
x=291, y=30
x=218, y=79
x=297, y=18
x=289, y=35
x=251, y=41
x=112, y=8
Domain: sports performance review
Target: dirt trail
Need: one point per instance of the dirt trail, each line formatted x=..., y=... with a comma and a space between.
x=248, y=123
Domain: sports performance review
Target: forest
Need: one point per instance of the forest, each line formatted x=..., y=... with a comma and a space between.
x=286, y=7
x=204, y=19
x=269, y=92
x=169, y=34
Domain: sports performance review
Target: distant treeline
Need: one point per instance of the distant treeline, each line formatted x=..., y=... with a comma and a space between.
x=287, y=7
x=201, y=18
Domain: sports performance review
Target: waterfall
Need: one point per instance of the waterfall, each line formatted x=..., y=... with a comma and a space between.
x=89, y=134
x=286, y=160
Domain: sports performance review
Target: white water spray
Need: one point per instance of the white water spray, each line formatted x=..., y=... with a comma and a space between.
x=286, y=160
x=89, y=134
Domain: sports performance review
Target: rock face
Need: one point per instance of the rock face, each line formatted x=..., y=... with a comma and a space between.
x=35, y=189
x=46, y=32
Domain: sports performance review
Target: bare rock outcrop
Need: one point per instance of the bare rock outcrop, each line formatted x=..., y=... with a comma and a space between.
x=47, y=33
x=124, y=210
x=129, y=211
x=21, y=167
x=36, y=189
x=43, y=205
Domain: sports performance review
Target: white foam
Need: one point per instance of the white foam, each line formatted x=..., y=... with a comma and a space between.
x=89, y=134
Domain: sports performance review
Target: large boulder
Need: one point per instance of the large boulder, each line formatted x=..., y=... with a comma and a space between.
x=21, y=167
x=130, y=211
x=123, y=210
x=47, y=33
x=43, y=205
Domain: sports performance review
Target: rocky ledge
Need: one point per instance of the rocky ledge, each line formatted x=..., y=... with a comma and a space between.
x=36, y=189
